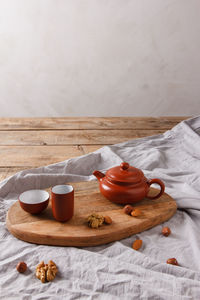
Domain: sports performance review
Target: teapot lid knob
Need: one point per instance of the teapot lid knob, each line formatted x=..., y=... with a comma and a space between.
x=124, y=166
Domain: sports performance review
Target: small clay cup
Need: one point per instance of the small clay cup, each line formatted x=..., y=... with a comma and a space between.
x=34, y=201
x=62, y=201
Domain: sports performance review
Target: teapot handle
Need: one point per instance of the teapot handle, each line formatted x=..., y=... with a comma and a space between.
x=162, y=188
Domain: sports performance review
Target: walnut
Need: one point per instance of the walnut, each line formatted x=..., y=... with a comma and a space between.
x=40, y=271
x=95, y=220
x=51, y=271
x=46, y=272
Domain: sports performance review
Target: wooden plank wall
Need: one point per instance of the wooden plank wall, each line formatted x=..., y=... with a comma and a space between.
x=33, y=142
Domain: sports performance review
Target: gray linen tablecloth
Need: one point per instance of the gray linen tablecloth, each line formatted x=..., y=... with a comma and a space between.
x=115, y=271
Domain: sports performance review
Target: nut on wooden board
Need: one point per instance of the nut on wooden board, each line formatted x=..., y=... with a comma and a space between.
x=128, y=209
x=136, y=212
x=95, y=220
x=107, y=220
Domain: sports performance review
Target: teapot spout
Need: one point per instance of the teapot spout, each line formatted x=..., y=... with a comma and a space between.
x=98, y=174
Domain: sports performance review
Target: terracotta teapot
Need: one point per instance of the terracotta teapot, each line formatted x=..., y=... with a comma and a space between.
x=125, y=184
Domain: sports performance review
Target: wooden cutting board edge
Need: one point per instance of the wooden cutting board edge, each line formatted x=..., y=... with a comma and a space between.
x=89, y=240
x=75, y=241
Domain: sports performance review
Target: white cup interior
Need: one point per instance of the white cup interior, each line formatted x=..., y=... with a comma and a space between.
x=62, y=189
x=34, y=196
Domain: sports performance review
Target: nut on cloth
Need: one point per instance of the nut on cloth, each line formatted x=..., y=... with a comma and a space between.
x=46, y=272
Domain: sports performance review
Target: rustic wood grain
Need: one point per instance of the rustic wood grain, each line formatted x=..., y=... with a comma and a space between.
x=33, y=142
x=89, y=123
x=72, y=137
x=43, y=229
x=35, y=156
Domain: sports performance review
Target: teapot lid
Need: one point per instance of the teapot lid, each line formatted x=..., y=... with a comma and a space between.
x=125, y=173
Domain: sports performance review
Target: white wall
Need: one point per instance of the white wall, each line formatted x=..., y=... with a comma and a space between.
x=99, y=57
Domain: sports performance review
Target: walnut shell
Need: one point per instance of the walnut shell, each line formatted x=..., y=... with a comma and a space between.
x=95, y=220
x=46, y=272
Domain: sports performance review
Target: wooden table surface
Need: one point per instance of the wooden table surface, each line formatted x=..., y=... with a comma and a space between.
x=32, y=142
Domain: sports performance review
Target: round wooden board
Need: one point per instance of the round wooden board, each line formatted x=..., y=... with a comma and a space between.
x=43, y=229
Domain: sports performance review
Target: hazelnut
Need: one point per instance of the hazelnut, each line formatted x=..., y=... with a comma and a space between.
x=137, y=244
x=166, y=231
x=172, y=261
x=21, y=267
x=107, y=220
x=128, y=209
x=136, y=212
